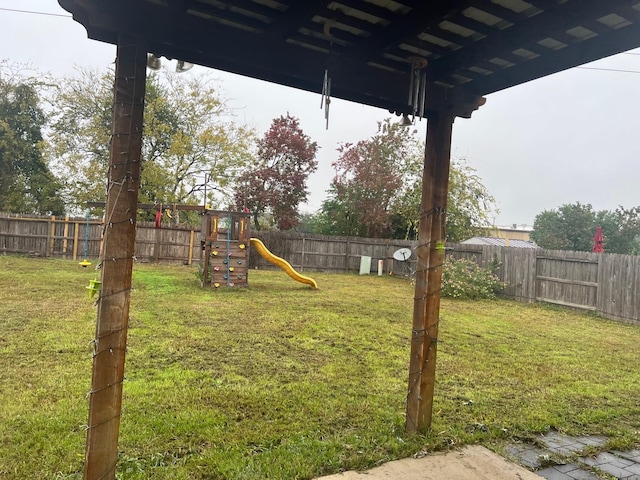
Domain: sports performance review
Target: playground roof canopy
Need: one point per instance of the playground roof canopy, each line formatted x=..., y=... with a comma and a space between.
x=473, y=47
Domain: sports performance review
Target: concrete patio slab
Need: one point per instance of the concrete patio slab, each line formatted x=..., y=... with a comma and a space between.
x=470, y=462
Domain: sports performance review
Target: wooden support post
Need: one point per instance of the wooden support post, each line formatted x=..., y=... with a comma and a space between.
x=426, y=307
x=105, y=397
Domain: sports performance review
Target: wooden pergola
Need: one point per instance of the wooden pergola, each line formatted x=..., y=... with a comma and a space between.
x=436, y=59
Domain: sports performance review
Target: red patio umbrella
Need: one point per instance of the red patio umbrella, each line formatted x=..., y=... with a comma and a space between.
x=598, y=241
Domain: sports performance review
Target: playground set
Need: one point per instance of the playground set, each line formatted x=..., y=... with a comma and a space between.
x=225, y=240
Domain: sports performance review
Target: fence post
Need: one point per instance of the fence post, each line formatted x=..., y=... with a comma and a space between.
x=600, y=288
x=52, y=232
x=156, y=248
x=302, y=257
x=76, y=234
x=65, y=241
x=190, y=259
x=346, y=258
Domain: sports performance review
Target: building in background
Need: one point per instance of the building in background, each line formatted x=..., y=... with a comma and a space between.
x=511, y=232
x=505, y=236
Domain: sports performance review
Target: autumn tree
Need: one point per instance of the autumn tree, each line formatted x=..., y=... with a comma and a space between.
x=189, y=138
x=276, y=184
x=26, y=182
x=377, y=190
x=369, y=176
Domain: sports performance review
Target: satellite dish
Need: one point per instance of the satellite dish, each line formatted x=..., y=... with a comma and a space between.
x=402, y=254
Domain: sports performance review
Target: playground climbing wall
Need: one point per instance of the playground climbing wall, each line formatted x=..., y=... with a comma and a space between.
x=224, y=249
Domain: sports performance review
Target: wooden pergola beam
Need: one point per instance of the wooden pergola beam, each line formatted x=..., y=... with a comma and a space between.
x=528, y=33
x=105, y=396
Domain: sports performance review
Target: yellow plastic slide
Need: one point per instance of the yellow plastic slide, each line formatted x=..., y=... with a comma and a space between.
x=282, y=263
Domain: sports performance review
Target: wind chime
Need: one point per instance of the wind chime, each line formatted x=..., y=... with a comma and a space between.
x=325, y=100
x=417, y=88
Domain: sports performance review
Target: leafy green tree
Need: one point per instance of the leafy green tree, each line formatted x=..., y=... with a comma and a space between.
x=26, y=183
x=190, y=143
x=570, y=227
x=79, y=138
x=203, y=147
x=337, y=216
x=548, y=231
x=621, y=229
x=276, y=184
x=625, y=238
x=469, y=203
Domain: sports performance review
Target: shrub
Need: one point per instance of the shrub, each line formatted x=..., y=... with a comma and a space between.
x=466, y=279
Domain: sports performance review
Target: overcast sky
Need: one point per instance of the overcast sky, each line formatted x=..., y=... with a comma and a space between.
x=572, y=136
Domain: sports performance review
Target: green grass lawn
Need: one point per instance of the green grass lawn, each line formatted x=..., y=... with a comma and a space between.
x=280, y=381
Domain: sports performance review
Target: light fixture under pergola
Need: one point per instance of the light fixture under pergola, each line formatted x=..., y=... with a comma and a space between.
x=154, y=62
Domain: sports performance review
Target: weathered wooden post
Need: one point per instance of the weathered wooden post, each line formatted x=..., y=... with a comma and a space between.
x=105, y=397
x=430, y=252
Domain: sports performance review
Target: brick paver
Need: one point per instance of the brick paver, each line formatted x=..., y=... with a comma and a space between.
x=570, y=471
x=527, y=455
x=556, y=446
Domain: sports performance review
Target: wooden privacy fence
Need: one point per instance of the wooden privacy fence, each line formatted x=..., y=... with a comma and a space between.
x=605, y=283
x=66, y=237
x=608, y=284
x=50, y=236
x=330, y=253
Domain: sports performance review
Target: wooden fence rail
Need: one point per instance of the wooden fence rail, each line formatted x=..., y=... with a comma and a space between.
x=608, y=284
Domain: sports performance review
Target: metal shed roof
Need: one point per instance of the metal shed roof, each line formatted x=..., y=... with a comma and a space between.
x=500, y=242
x=473, y=47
